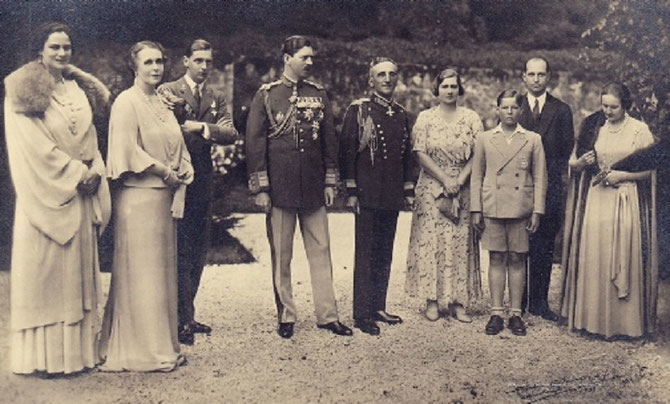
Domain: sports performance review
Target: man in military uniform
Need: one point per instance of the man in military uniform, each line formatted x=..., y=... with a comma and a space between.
x=292, y=165
x=376, y=158
x=204, y=119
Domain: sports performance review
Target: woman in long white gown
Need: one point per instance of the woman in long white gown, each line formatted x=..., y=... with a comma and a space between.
x=610, y=244
x=62, y=207
x=148, y=157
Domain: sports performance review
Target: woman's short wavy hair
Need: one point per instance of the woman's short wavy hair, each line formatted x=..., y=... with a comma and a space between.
x=445, y=74
x=137, y=47
x=620, y=91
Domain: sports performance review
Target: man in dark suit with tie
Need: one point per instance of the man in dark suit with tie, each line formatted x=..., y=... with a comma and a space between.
x=205, y=120
x=552, y=119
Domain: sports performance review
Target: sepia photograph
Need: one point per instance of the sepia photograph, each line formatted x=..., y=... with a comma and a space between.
x=330, y=201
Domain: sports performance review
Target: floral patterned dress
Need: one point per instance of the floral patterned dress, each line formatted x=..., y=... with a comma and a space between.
x=442, y=263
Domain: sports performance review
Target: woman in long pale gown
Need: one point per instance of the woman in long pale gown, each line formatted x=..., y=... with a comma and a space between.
x=442, y=264
x=610, y=244
x=148, y=157
x=62, y=207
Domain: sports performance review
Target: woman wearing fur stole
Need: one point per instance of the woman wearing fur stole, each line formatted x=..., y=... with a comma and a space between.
x=62, y=207
x=610, y=246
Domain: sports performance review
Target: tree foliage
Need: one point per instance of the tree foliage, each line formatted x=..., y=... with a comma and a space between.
x=636, y=38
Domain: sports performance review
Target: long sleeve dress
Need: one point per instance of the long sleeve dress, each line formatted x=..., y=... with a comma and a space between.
x=442, y=260
x=140, y=322
x=610, y=244
x=55, y=273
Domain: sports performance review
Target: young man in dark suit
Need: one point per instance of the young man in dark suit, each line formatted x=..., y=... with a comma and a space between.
x=552, y=119
x=205, y=120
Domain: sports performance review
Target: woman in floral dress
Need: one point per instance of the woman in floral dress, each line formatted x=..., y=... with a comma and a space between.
x=442, y=264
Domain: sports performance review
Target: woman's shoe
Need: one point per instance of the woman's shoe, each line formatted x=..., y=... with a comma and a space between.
x=432, y=310
x=459, y=313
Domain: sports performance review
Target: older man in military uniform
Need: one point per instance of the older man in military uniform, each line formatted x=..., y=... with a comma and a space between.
x=204, y=118
x=292, y=165
x=376, y=166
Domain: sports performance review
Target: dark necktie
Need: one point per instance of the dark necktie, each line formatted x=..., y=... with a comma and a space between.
x=536, y=110
x=196, y=96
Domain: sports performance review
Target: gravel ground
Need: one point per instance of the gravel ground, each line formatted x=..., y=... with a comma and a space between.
x=244, y=360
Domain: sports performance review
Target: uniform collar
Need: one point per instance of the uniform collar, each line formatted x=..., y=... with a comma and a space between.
x=386, y=103
x=289, y=82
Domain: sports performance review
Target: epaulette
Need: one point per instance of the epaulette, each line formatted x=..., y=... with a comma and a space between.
x=268, y=86
x=313, y=84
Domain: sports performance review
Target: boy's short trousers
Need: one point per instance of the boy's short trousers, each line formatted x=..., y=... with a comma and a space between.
x=505, y=235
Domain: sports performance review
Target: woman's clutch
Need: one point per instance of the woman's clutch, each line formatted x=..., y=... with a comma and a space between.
x=449, y=206
x=600, y=177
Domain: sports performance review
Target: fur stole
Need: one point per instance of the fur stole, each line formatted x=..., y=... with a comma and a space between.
x=29, y=88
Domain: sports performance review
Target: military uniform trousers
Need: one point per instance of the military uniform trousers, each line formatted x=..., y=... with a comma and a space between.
x=314, y=229
x=375, y=233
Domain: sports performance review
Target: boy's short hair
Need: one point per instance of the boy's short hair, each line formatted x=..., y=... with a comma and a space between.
x=510, y=93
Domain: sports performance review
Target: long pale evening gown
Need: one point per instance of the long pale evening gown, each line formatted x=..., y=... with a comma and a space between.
x=55, y=283
x=140, y=322
x=609, y=294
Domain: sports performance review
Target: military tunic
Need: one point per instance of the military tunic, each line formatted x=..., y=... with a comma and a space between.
x=291, y=144
x=377, y=154
x=292, y=155
x=376, y=161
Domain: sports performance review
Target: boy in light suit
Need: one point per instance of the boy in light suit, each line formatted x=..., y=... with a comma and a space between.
x=508, y=189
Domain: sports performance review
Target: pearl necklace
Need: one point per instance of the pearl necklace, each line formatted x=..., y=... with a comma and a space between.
x=619, y=128
x=159, y=111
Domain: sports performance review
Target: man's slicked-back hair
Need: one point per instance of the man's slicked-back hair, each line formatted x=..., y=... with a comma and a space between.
x=197, y=45
x=542, y=58
x=293, y=44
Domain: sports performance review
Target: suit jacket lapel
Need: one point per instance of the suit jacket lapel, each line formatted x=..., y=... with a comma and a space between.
x=526, y=119
x=205, y=101
x=508, y=151
x=187, y=94
x=547, y=115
